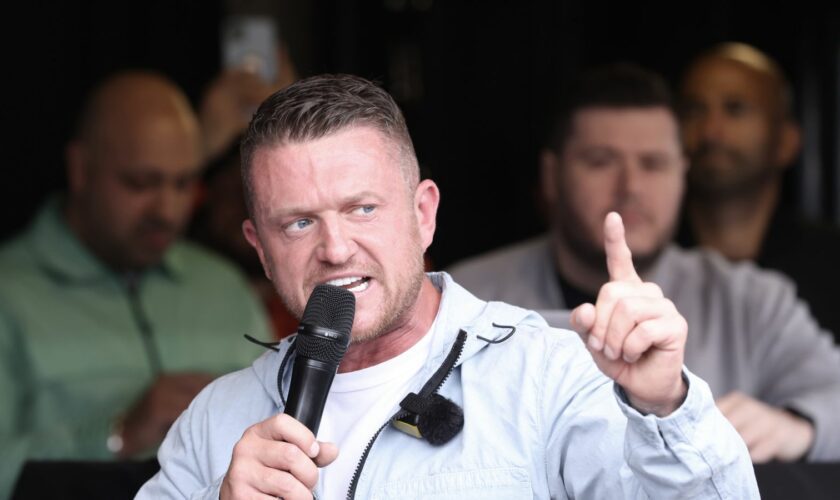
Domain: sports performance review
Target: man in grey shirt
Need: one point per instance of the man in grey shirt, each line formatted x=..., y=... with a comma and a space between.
x=616, y=147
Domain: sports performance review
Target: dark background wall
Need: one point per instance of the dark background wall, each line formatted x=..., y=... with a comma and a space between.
x=476, y=79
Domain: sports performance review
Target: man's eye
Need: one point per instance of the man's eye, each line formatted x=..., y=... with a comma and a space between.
x=186, y=183
x=691, y=110
x=598, y=160
x=736, y=108
x=138, y=183
x=655, y=164
x=365, y=209
x=299, y=225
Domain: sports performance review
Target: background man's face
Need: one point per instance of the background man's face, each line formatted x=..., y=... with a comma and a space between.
x=139, y=188
x=623, y=160
x=730, y=123
x=338, y=208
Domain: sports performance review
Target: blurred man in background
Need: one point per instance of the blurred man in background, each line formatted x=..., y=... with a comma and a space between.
x=616, y=147
x=740, y=135
x=226, y=106
x=109, y=326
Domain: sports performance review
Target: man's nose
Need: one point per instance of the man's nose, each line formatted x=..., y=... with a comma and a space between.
x=336, y=245
x=710, y=125
x=632, y=183
x=172, y=203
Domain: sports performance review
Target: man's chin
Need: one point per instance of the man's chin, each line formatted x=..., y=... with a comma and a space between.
x=146, y=259
x=363, y=335
x=644, y=259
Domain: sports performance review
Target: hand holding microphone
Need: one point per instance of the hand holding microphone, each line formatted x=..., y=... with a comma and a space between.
x=279, y=457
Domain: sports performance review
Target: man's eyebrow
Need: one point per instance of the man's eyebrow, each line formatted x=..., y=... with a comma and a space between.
x=279, y=216
x=360, y=197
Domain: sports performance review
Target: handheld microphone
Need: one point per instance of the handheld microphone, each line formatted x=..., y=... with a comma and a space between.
x=322, y=339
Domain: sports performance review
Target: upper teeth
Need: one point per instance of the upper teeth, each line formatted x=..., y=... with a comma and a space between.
x=344, y=281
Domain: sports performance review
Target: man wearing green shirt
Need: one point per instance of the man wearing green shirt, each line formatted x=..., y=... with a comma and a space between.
x=108, y=325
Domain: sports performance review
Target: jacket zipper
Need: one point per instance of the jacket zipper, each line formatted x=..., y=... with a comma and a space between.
x=432, y=385
x=141, y=320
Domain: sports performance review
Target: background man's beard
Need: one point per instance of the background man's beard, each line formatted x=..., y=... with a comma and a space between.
x=573, y=234
x=743, y=179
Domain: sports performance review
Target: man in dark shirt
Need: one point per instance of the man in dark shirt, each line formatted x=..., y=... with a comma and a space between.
x=740, y=135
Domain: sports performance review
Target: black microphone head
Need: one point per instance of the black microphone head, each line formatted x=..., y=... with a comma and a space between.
x=324, y=331
x=331, y=307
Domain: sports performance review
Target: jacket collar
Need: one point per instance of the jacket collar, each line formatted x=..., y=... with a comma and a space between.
x=60, y=252
x=459, y=310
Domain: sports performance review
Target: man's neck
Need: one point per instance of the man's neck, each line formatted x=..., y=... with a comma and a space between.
x=396, y=342
x=75, y=220
x=589, y=274
x=734, y=226
x=576, y=271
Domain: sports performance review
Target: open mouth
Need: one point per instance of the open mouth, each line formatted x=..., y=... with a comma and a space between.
x=354, y=284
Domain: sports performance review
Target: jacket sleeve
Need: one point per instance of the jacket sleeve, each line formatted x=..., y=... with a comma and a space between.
x=14, y=441
x=600, y=447
x=23, y=436
x=184, y=469
x=798, y=363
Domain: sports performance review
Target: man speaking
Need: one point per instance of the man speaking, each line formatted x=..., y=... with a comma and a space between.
x=335, y=198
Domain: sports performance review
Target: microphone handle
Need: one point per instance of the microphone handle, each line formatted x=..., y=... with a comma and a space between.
x=310, y=385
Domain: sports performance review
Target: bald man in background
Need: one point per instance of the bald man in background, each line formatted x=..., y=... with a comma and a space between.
x=740, y=135
x=109, y=325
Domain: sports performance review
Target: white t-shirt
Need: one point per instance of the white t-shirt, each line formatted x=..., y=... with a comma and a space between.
x=358, y=404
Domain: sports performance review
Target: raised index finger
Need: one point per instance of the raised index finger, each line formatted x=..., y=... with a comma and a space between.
x=619, y=258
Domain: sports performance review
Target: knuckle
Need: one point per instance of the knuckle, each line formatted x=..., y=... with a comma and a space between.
x=249, y=435
x=636, y=344
x=309, y=477
x=626, y=307
x=236, y=475
x=290, y=453
x=652, y=289
x=644, y=331
x=240, y=449
x=284, y=482
x=612, y=290
x=281, y=420
x=682, y=326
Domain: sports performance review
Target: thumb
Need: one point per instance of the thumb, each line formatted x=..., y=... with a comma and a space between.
x=327, y=454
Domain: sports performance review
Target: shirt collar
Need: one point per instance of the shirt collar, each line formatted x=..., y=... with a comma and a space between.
x=61, y=252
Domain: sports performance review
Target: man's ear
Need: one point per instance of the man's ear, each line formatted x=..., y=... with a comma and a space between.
x=426, y=201
x=77, y=159
x=788, y=144
x=250, y=232
x=549, y=165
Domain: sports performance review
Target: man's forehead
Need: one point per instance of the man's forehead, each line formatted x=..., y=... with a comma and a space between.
x=726, y=78
x=351, y=146
x=625, y=130
x=605, y=122
x=333, y=167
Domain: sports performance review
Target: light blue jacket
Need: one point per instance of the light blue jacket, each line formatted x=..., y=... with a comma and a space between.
x=541, y=421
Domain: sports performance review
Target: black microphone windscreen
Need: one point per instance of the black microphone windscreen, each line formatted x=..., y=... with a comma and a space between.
x=332, y=308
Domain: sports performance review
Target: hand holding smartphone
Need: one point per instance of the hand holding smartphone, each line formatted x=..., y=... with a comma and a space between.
x=250, y=43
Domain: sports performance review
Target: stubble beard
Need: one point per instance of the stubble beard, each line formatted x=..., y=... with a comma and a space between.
x=570, y=229
x=744, y=178
x=394, y=310
x=397, y=307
